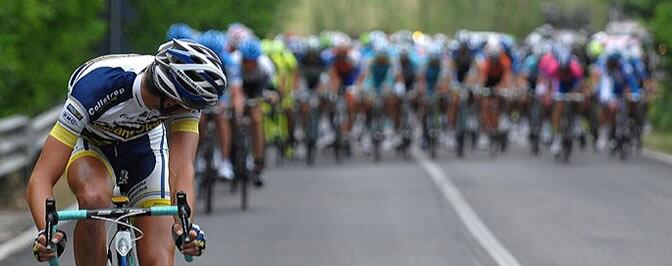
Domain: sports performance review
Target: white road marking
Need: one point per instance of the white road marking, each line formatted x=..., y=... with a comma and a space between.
x=656, y=155
x=469, y=218
x=23, y=240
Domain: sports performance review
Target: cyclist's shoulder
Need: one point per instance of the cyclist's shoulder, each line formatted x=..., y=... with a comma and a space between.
x=105, y=69
x=125, y=62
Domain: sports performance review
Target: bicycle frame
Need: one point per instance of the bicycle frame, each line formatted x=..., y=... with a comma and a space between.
x=207, y=150
x=242, y=150
x=123, y=242
x=567, y=122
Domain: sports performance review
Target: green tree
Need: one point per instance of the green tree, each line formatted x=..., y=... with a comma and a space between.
x=517, y=17
x=154, y=18
x=660, y=26
x=657, y=15
x=41, y=43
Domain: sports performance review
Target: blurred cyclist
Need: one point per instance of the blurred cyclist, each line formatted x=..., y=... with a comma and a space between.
x=616, y=79
x=344, y=71
x=562, y=73
x=256, y=73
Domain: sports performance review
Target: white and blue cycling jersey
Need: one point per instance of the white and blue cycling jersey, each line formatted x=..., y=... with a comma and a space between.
x=640, y=68
x=105, y=117
x=613, y=83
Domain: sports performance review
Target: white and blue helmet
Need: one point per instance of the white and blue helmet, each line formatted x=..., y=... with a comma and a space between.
x=189, y=73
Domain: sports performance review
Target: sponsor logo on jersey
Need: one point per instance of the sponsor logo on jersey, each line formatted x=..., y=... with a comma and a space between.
x=127, y=132
x=104, y=101
x=70, y=121
x=74, y=111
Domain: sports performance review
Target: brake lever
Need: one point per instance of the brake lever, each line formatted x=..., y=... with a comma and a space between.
x=184, y=212
x=51, y=218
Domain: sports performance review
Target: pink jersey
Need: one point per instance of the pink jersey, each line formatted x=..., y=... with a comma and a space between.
x=550, y=67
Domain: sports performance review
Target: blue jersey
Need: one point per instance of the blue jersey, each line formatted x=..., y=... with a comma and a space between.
x=639, y=68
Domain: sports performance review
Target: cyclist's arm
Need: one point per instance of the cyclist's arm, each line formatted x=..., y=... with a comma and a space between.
x=422, y=82
x=48, y=170
x=507, y=79
x=55, y=154
x=237, y=97
x=334, y=79
x=182, y=152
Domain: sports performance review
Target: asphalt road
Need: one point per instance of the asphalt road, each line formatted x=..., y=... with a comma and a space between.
x=594, y=211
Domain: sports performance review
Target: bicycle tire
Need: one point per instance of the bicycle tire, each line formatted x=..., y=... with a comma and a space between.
x=208, y=196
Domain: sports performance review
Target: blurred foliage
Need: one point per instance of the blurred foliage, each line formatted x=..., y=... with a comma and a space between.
x=514, y=16
x=657, y=15
x=148, y=29
x=41, y=43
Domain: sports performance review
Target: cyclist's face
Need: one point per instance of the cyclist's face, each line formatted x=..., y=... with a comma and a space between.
x=170, y=107
x=249, y=65
x=381, y=60
x=341, y=52
x=612, y=65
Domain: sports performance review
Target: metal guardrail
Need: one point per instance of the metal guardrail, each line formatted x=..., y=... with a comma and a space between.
x=21, y=139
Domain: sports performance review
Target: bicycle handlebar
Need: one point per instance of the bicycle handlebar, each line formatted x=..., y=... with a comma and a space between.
x=52, y=218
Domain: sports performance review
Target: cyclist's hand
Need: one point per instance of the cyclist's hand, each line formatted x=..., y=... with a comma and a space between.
x=40, y=245
x=195, y=246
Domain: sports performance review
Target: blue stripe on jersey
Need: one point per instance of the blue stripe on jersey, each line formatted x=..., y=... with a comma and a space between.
x=103, y=88
x=163, y=164
x=75, y=75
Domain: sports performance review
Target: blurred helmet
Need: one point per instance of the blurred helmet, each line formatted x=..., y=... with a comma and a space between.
x=342, y=41
x=595, y=49
x=365, y=38
x=635, y=52
x=313, y=43
x=381, y=49
x=267, y=46
x=436, y=50
x=563, y=54
x=292, y=43
x=405, y=49
x=250, y=49
x=180, y=31
x=325, y=41
x=545, y=30
x=613, y=56
x=493, y=48
x=213, y=39
x=462, y=36
x=188, y=73
x=377, y=35
x=476, y=41
x=236, y=33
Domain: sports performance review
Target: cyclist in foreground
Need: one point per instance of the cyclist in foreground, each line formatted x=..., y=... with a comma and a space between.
x=113, y=121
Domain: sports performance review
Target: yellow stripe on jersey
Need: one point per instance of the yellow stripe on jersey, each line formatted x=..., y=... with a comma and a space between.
x=154, y=202
x=184, y=125
x=63, y=135
x=90, y=153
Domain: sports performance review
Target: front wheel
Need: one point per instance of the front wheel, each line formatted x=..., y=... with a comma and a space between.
x=432, y=147
x=244, y=185
x=208, y=194
x=459, y=144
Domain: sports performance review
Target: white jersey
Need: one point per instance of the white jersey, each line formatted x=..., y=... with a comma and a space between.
x=104, y=104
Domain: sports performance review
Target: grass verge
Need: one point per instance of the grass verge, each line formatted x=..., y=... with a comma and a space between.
x=660, y=141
